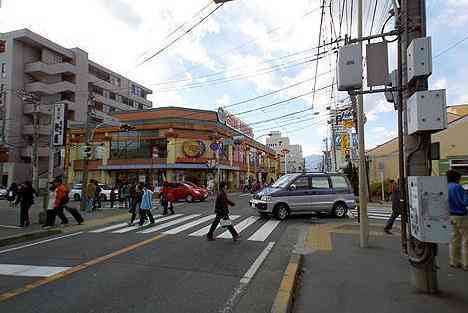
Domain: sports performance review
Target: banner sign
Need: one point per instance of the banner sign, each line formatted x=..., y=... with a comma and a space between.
x=224, y=117
x=59, y=124
x=194, y=148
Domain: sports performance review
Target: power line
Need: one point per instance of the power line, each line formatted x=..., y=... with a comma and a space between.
x=450, y=47
x=373, y=18
x=182, y=35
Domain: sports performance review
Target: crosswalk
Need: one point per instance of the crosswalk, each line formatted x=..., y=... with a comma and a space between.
x=197, y=225
x=376, y=213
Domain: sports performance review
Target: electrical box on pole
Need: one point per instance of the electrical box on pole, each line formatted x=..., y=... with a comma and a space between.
x=419, y=56
x=427, y=111
x=349, y=67
x=428, y=208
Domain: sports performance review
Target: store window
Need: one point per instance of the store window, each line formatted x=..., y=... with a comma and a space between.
x=137, y=149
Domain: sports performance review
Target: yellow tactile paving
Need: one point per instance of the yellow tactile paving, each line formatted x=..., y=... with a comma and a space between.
x=319, y=237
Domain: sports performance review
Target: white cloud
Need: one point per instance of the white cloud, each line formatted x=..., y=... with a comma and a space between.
x=381, y=106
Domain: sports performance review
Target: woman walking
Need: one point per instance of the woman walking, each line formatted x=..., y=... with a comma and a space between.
x=167, y=198
x=136, y=194
x=146, y=204
x=26, y=199
x=222, y=213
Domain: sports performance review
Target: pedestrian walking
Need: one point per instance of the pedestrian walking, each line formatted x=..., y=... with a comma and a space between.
x=136, y=197
x=97, y=198
x=222, y=214
x=12, y=194
x=125, y=195
x=458, y=203
x=90, y=193
x=146, y=204
x=58, y=196
x=112, y=197
x=25, y=199
x=167, y=199
x=396, y=210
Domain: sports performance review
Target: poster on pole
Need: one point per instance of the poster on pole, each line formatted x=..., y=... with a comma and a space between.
x=58, y=125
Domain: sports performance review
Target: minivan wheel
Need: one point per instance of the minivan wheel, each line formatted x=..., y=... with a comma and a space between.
x=281, y=212
x=340, y=210
x=76, y=197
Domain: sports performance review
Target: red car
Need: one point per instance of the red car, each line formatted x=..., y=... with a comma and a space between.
x=188, y=191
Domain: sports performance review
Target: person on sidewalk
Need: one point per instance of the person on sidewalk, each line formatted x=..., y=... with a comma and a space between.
x=146, y=204
x=396, y=210
x=167, y=199
x=97, y=197
x=90, y=192
x=458, y=203
x=12, y=194
x=222, y=213
x=26, y=199
x=113, y=196
x=57, y=197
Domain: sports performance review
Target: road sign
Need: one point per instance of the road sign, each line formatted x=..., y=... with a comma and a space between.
x=215, y=147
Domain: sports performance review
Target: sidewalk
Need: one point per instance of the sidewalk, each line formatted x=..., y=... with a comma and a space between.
x=339, y=276
x=9, y=220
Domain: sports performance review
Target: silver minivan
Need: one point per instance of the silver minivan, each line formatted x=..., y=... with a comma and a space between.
x=305, y=193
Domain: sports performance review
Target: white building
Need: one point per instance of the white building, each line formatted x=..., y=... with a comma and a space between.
x=294, y=158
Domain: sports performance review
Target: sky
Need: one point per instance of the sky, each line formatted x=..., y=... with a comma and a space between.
x=245, y=49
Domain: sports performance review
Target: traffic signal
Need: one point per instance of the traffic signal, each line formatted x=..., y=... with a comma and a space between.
x=88, y=152
x=2, y=46
x=127, y=127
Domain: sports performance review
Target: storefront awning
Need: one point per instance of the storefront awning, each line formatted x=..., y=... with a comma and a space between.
x=178, y=166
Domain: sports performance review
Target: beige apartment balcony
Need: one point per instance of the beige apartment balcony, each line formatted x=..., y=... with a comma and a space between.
x=50, y=89
x=41, y=69
x=28, y=108
x=43, y=152
x=43, y=130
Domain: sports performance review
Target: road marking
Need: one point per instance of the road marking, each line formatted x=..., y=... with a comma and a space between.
x=10, y=226
x=13, y=293
x=244, y=195
x=101, y=230
x=189, y=225
x=256, y=265
x=240, y=227
x=40, y=242
x=169, y=224
x=244, y=281
x=137, y=226
x=205, y=230
x=263, y=232
x=319, y=237
x=30, y=270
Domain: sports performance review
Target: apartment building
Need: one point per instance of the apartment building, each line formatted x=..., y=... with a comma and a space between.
x=294, y=159
x=54, y=74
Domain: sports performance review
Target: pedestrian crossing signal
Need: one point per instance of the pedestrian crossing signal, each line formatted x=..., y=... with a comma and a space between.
x=2, y=46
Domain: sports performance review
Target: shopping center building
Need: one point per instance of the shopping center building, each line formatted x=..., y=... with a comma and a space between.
x=174, y=144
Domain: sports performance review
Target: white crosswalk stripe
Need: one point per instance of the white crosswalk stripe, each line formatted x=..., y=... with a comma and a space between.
x=206, y=229
x=156, y=221
x=240, y=226
x=377, y=214
x=169, y=224
x=179, y=223
x=189, y=225
x=263, y=232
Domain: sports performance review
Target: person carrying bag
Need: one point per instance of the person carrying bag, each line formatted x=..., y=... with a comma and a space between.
x=222, y=214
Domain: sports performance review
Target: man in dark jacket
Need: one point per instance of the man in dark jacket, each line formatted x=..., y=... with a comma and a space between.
x=25, y=197
x=222, y=212
x=396, y=211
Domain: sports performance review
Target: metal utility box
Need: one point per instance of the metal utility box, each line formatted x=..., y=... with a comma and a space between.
x=377, y=64
x=349, y=67
x=429, y=209
x=427, y=111
x=419, y=58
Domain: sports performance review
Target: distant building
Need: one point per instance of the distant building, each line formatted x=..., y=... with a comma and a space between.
x=54, y=74
x=294, y=158
x=173, y=144
x=452, y=144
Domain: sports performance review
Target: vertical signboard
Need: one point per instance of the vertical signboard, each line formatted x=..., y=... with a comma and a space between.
x=58, y=124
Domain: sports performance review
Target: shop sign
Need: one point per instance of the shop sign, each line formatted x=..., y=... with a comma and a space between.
x=224, y=117
x=155, y=153
x=194, y=148
x=59, y=124
x=215, y=147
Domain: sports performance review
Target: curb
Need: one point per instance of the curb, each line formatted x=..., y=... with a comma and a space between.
x=285, y=296
x=6, y=241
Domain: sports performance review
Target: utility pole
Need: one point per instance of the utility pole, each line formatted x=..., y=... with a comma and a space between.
x=2, y=134
x=333, y=142
x=417, y=147
x=87, y=143
x=364, y=219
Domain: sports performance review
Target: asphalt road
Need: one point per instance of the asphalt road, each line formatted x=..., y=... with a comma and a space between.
x=169, y=267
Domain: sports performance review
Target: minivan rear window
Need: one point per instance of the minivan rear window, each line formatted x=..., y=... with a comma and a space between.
x=338, y=182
